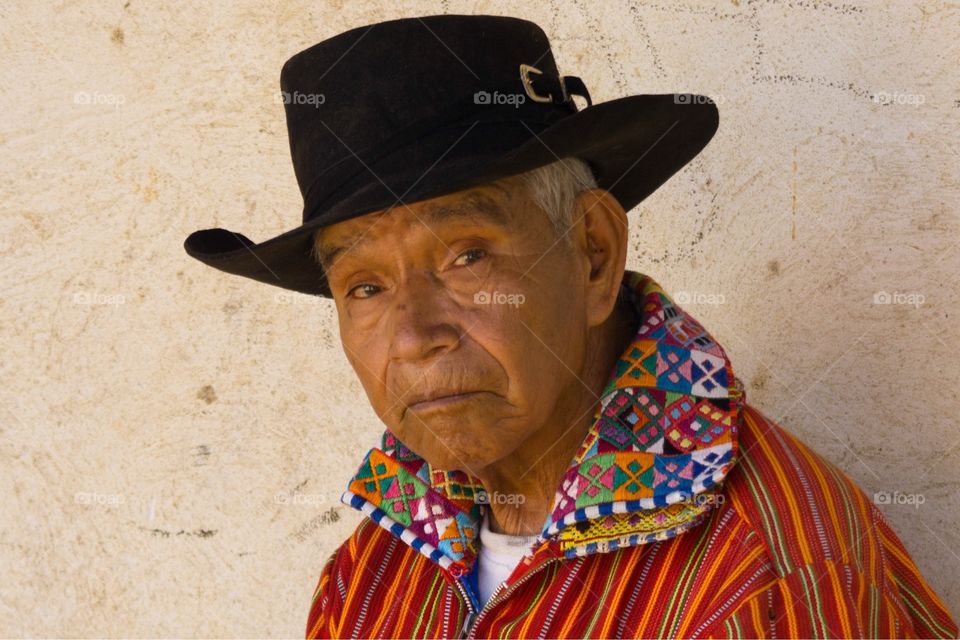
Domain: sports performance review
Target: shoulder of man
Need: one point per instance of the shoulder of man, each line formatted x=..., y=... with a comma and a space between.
x=829, y=545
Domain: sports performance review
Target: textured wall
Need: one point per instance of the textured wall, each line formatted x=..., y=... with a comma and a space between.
x=173, y=441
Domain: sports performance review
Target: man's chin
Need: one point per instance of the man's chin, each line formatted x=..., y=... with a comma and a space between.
x=452, y=442
x=453, y=418
x=456, y=461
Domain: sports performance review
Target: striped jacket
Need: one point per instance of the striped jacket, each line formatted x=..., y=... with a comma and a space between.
x=686, y=513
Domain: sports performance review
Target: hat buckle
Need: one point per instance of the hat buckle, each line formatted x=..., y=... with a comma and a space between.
x=525, y=71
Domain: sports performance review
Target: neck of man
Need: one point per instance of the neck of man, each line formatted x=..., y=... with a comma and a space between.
x=523, y=484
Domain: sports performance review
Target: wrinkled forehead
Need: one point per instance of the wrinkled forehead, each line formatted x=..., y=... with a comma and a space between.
x=495, y=203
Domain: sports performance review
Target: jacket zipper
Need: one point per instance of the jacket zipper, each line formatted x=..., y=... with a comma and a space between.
x=499, y=595
x=471, y=611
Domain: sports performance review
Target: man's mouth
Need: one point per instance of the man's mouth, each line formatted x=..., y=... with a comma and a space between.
x=441, y=400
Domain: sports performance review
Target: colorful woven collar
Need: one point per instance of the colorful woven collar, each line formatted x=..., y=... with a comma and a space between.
x=663, y=438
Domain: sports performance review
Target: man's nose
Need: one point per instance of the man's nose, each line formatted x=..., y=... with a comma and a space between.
x=424, y=320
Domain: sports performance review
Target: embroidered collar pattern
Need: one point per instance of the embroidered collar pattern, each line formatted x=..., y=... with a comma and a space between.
x=662, y=440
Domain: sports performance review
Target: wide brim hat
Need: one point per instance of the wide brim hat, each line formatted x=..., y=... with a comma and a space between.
x=407, y=110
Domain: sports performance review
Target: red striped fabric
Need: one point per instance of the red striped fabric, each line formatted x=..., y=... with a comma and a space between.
x=795, y=549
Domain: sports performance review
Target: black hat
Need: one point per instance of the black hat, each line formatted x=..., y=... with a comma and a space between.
x=411, y=109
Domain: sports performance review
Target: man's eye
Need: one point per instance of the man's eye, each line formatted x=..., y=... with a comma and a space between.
x=362, y=291
x=469, y=256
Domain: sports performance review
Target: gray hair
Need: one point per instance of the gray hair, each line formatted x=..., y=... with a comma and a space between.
x=555, y=186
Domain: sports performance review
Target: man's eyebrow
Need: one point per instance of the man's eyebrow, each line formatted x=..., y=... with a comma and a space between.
x=477, y=207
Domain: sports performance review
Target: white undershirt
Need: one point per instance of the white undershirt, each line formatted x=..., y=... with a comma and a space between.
x=499, y=554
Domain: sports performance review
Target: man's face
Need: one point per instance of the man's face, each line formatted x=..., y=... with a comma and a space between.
x=463, y=318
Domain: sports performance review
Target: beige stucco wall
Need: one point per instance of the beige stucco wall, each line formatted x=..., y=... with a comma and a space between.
x=173, y=441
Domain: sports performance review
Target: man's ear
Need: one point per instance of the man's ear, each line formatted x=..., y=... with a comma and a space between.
x=603, y=241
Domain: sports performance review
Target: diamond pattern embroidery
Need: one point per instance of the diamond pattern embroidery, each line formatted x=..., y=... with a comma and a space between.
x=708, y=374
x=639, y=479
x=401, y=496
x=673, y=368
x=628, y=423
x=674, y=473
x=637, y=367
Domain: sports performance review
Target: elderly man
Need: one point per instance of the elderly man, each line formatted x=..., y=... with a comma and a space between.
x=568, y=453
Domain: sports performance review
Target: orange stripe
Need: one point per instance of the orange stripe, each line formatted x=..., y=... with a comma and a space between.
x=546, y=577
x=793, y=630
x=577, y=606
x=755, y=616
x=892, y=621
x=391, y=593
x=351, y=587
x=325, y=577
x=706, y=579
x=799, y=530
x=738, y=505
x=737, y=574
x=866, y=521
x=406, y=607
x=314, y=632
x=352, y=540
x=654, y=596
x=685, y=579
x=752, y=470
x=861, y=594
x=318, y=623
x=838, y=599
x=613, y=609
x=898, y=552
x=830, y=502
